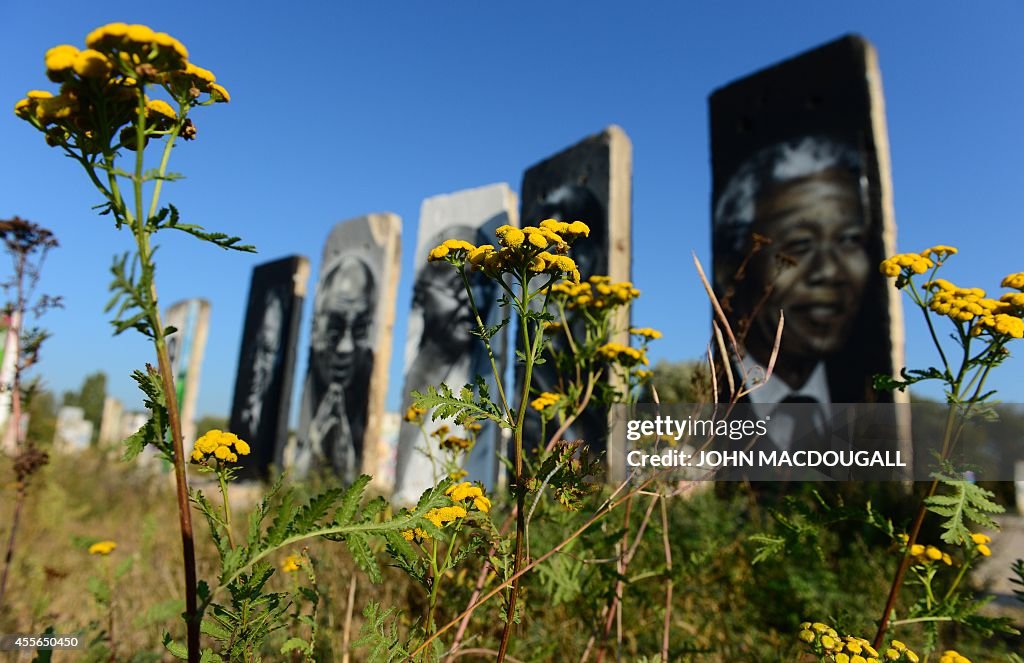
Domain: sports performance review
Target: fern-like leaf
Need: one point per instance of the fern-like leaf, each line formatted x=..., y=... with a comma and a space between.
x=968, y=502
x=380, y=634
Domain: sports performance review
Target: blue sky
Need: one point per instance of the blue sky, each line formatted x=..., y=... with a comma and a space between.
x=340, y=109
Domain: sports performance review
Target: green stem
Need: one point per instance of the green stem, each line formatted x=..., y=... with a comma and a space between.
x=487, y=343
x=434, y=584
x=915, y=529
x=227, y=506
x=929, y=596
x=919, y=620
x=140, y=154
x=956, y=581
x=914, y=295
x=169, y=143
x=439, y=573
x=150, y=302
x=517, y=560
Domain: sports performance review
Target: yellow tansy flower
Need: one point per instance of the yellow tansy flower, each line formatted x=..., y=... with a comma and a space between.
x=911, y=262
x=219, y=93
x=510, y=236
x=197, y=72
x=482, y=503
x=415, y=533
x=576, y=229
x=544, y=401
x=952, y=656
x=139, y=33
x=106, y=35
x=102, y=548
x=92, y=64
x=447, y=514
x=159, y=107
x=1015, y=281
x=940, y=251
x=646, y=332
x=60, y=58
x=221, y=445
x=414, y=415
x=463, y=491
x=291, y=563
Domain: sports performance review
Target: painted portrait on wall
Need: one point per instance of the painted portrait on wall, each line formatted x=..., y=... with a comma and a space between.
x=801, y=218
x=344, y=385
x=590, y=182
x=441, y=347
x=266, y=363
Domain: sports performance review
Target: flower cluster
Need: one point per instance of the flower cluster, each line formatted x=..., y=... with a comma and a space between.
x=1015, y=281
x=414, y=415
x=981, y=542
x=907, y=264
x=467, y=491
x=451, y=442
x=445, y=514
x=291, y=564
x=464, y=496
x=216, y=444
x=102, y=84
x=924, y=555
x=102, y=548
x=456, y=443
x=623, y=354
x=596, y=293
x=960, y=304
x=953, y=656
x=544, y=401
x=538, y=249
x=1002, y=316
x=415, y=533
x=646, y=333
x=823, y=640
x=996, y=317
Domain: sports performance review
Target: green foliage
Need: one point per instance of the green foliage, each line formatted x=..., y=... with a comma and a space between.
x=968, y=502
x=168, y=218
x=472, y=403
x=244, y=625
x=154, y=431
x=802, y=520
x=910, y=377
x=380, y=634
x=569, y=471
x=292, y=524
